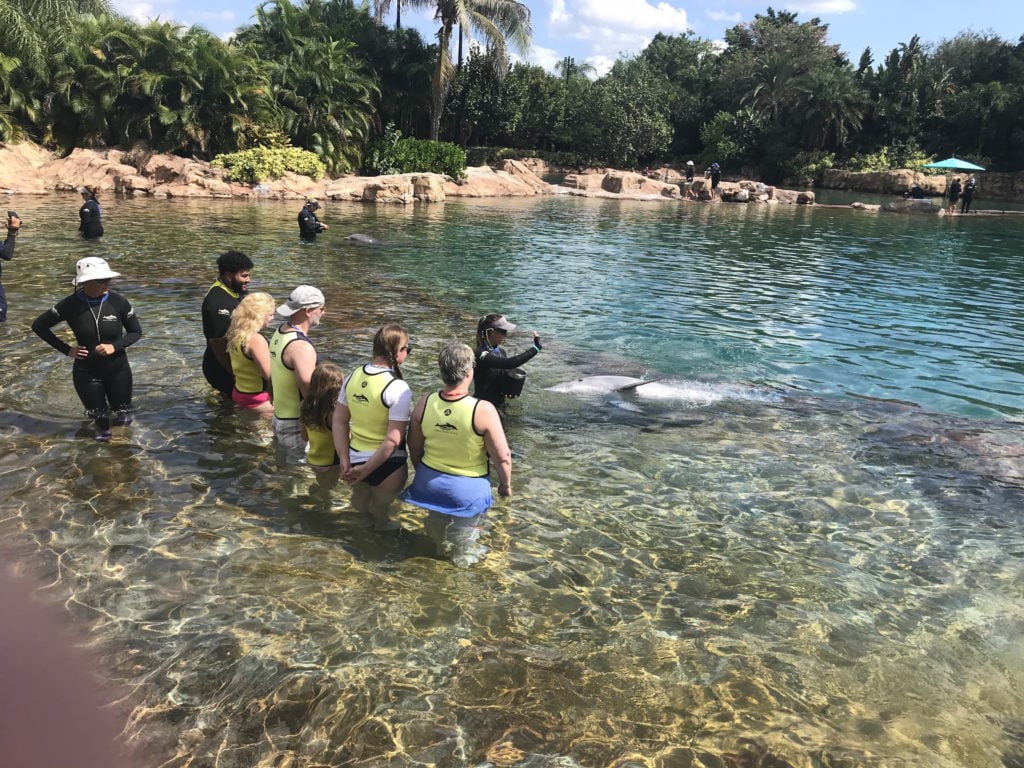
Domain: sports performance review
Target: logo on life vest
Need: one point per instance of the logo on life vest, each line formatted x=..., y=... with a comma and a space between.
x=360, y=397
x=447, y=411
x=446, y=427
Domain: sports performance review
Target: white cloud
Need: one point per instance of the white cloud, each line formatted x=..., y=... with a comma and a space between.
x=217, y=16
x=821, y=6
x=731, y=18
x=544, y=57
x=602, y=64
x=614, y=27
x=139, y=12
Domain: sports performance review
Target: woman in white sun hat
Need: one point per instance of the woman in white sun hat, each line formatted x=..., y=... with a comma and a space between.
x=104, y=325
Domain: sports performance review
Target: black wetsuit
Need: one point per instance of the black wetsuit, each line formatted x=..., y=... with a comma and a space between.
x=716, y=176
x=968, y=196
x=217, y=308
x=91, y=224
x=954, y=192
x=309, y=224
x=6, y=253
x=103, y=384
x=491, y=364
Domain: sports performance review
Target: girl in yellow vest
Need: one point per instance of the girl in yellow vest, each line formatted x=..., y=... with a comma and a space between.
x=250, y=353
x=452, y=440
x=369, y=428
x=315, y=414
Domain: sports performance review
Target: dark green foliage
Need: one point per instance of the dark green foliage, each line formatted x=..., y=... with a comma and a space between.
x=393, y=154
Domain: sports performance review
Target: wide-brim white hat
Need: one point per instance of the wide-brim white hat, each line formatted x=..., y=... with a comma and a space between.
x=92, y=268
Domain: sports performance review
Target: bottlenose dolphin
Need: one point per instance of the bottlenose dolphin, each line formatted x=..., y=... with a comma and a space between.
x=600, y=385
x=359, y=237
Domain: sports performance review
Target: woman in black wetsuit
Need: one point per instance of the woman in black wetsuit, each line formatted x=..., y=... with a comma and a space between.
x=104, y=325
x=491, y=361
x=91, y=222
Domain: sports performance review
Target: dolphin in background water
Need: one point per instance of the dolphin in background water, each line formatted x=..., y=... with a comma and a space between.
x=695, y=392
x=359, y=237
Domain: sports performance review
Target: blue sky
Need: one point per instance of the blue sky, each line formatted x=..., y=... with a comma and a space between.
x=599, y=31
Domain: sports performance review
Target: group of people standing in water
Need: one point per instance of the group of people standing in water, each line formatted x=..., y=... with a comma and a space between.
x=361, y=427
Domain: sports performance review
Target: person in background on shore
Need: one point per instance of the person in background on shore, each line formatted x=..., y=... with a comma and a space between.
x=316, y=415
x=309, y=225
x=90, y=225
x=688, y=181
x=968, y=195
x=250, y=352
x=7, y=253
x=370, y=422
x=452, y=440
x=954, y=196
x=292, y=360
x=492, y=364
x=715, y=174
x=234, y=270
x=104, y=325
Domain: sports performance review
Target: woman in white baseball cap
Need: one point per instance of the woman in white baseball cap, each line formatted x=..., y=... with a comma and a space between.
x=104, y=325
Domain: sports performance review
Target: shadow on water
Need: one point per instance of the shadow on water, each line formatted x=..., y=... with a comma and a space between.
x=750, y=570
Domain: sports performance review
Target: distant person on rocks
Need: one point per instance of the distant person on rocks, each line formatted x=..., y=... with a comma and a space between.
x=90, y=225
x=968, y=195
x=104, y=325
x=453, y=438
x=234, y=270
x=916, y=193
x=7, y=253
x=250, y=352
x=954, y=195
x=309, y=225
x=688, y=182
x=715, y=174
x=491, y=379
x=292, y=360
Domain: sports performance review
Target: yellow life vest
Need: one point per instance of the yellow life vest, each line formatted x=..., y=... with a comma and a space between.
x=286, y=388
x=248, y=378
x=451, y=444
x=321, y=447
x=364, y=394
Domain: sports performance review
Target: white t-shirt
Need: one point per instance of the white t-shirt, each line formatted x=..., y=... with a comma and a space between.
x=398, y=399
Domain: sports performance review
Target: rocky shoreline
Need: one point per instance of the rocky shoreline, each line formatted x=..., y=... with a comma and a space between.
x=28, y=169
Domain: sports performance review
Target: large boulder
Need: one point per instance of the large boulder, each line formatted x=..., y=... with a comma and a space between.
x=428, y=187
x=519, y=170
x=388, y=192
x=484, y=181
x=628, y=183
x=583, y=180
x=20, y=167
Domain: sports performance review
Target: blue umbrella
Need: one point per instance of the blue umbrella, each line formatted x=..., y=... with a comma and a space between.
x=954, y=164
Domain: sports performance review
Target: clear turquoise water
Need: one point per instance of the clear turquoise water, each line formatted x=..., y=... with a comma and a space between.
x=805, y=550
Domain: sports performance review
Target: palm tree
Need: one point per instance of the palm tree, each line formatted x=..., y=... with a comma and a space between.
x=381, y=8
x=497, y=21
x=36, y=32
x=772, y=86
x=833, y=105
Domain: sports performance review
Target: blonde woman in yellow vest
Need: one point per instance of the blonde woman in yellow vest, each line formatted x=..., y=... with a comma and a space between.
x=250, y=352
x=453, y=438
x=369, y=426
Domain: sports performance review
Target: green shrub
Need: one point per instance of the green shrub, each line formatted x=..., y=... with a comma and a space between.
x=808, y=168
x=899, y=154
x=251, y=166
x=393, y=154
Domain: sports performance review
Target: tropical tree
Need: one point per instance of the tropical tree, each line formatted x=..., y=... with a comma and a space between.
x=325, y=94
x=498, y=22
x=833, y=105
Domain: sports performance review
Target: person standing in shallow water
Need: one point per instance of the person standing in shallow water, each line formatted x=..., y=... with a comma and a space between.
x=7, y=253
x=968, y=195
x=954, y=196
x=309, y=225
x=90, y=224
x=369, y=425
x=492, y=364
x=104, y=325
x=292, y=361
x=235, y=272
x=452, y=440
